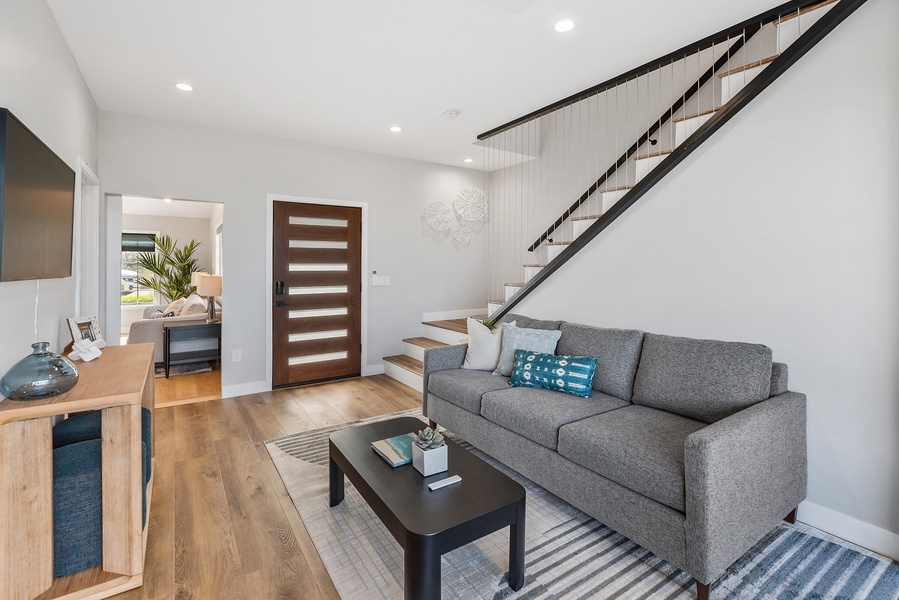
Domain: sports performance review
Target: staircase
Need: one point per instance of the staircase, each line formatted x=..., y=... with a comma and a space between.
x=408, y=368
x=707, y=101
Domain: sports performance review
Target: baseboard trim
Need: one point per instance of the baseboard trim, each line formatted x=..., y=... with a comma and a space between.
x=453, y=314
x=373, y=370
x=850, y=529
x=242, y=389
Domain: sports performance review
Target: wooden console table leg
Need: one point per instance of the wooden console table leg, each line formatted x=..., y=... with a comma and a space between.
x=122, y=480
x=26, y=509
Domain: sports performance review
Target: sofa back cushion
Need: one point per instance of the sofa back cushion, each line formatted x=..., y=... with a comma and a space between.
x=617, y=353
x=529, y=323
x=706, y=380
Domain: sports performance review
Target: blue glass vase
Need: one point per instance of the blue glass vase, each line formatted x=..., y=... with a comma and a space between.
x=40, y=374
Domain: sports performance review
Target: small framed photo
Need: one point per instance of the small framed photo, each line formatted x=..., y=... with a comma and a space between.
x=85, y=328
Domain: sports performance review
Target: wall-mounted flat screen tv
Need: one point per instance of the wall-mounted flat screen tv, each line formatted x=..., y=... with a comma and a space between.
x=37, y=205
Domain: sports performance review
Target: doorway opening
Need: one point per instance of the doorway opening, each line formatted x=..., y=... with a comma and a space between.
x=165, y=245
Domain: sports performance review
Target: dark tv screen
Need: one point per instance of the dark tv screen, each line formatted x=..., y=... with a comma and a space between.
x=37, y=204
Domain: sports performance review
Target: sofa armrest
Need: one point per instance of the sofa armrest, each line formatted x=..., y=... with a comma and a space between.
x=744, y=474
x=149, y=310
x=440, y=359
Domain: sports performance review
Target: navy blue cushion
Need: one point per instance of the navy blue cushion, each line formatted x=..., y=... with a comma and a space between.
x=568, y=374
x=77, y=507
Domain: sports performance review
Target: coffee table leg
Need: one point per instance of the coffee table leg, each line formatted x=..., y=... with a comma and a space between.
x=335, y=482
x=421, y=568
x=516, y=549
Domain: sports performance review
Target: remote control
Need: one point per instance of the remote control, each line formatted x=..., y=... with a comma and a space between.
x=444, y=482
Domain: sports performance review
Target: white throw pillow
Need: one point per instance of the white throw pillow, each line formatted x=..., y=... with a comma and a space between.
x=483, y=346
x=195, y=305
x=176, y=306
x=521, y=338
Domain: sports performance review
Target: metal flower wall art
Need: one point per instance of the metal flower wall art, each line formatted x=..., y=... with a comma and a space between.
x=467, y=216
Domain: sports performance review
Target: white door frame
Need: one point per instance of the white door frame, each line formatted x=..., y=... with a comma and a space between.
x=270, y=200
x=86, y=243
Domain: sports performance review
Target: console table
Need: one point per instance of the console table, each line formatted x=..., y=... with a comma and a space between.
x=119, y=383
x=190, y=330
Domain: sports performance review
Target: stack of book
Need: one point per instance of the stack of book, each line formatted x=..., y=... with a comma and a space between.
x=396, y=450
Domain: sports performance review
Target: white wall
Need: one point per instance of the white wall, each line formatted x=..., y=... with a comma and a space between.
x=182, y=229
x=41, y=84
x=163, y=159
x=782, y=229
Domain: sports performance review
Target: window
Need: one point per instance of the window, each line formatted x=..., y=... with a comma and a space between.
x=133, y=245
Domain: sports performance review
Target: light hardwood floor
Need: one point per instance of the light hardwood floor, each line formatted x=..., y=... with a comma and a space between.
x=184, y=389
x=221, y=524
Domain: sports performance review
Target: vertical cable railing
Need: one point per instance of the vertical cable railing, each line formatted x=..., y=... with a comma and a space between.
x=607, y=145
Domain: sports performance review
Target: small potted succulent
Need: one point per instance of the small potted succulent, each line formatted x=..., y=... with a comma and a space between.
x=429, y=452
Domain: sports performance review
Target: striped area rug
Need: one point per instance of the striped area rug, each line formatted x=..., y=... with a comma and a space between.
x=569, y=554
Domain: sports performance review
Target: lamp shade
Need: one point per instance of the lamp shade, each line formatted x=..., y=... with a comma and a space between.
x=210, y=285
x=196, y=276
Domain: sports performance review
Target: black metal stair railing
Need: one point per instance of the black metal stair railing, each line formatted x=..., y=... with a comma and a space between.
x=836, y=15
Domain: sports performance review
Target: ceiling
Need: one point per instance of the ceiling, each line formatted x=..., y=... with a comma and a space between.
x=341, y=72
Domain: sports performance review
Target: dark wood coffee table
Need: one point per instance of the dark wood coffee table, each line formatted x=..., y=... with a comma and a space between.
x=428, y=524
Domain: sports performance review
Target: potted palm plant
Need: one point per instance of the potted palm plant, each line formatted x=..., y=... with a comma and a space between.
x=171, y=267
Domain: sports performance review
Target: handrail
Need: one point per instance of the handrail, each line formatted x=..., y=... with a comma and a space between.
x=775, y=69
x=777, y=13
x=666, y=116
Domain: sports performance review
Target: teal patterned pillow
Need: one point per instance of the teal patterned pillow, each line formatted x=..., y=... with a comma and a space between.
x=569, y=374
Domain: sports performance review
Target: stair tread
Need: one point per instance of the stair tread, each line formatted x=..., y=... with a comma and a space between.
x=496, y=302
x=751, y=65
x=620, y=188
x=586, y=218
x=526, y=266
x=407, y=362
x=423, y=342
x=557, y=243
x=514, y=284
x=805, y=10
x=457, y=325
x=653, y=154
x=695, y=115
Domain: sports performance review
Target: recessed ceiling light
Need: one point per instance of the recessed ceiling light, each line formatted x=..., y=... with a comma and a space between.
x=396, y=129
x=468, y=160
x=167, y=200
x=451, y=114
x=564, y=26
x=184, y=87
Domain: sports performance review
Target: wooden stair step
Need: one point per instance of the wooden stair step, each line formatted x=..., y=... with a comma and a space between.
x=539, y=266
x=653, y=155
x=514, y=284
x=751, y=65
x=586, y=218
x=620, y=188
x=407, y=362
x=807, y=9
x=423, y=342
x=456, y=325
x=695, y=115
x=557, y=243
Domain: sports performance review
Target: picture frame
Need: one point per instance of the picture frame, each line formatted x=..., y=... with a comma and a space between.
x=85, y=328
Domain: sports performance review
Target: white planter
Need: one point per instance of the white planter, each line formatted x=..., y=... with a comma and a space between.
x=428, y=462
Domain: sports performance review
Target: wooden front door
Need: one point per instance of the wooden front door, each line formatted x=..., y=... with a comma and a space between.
x=317, y=295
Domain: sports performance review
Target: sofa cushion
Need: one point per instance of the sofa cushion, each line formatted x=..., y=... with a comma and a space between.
x=484, y=346
x=523, y=321
x=464, y=388
x=617, y=352
x=195, y=305
x=706, y=380
x=566, y=374
x=176, y=306
x=638, y=447
x=522, y=338
x=537, y=414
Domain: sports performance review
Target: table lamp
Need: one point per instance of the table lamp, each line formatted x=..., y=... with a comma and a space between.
x=209, y=286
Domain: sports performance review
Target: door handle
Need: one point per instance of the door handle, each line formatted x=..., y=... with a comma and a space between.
x=279, y=288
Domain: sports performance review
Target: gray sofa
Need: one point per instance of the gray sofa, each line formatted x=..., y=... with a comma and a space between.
x=149, y=330
x=694, y=449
